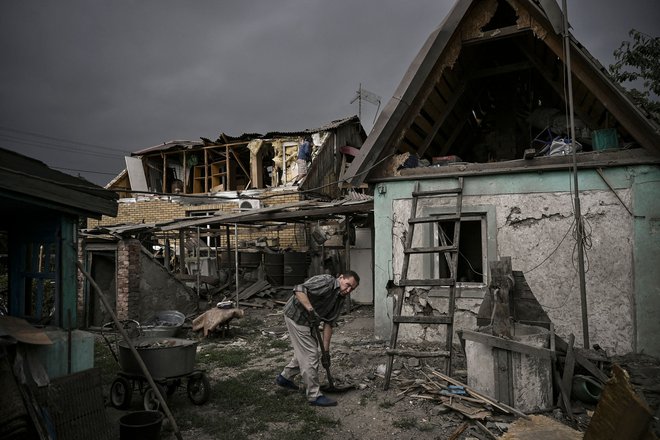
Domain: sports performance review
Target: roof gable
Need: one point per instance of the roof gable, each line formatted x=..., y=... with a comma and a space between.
x=480, y=85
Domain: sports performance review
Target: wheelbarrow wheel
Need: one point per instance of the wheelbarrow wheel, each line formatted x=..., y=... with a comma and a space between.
x=121, y=392
x=199, y=389
x=150, y=399
x=172, y=386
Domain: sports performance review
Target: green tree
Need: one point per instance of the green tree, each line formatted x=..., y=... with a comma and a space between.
x=638, y=62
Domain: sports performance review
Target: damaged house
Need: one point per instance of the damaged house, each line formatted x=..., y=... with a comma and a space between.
x=481, y=111
x=186, y=207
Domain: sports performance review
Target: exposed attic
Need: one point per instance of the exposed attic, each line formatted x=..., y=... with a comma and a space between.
x=489, y=84
x=251, y=161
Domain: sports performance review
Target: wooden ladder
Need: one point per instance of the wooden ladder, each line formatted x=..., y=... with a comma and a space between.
x=450, y=252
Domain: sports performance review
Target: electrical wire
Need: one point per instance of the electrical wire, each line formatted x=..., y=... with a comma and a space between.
x=52, y=138
x=570, y=228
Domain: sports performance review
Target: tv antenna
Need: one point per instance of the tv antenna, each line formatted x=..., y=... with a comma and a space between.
x=367, y=96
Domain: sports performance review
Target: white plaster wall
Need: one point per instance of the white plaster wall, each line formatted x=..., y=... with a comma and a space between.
x=536, y=231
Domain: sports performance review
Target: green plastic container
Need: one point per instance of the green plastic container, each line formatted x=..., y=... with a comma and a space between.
x=605, y=139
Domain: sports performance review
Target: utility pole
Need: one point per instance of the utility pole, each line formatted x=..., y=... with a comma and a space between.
x=578, y=215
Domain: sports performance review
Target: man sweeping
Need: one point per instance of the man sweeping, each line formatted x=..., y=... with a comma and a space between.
x=319, y=300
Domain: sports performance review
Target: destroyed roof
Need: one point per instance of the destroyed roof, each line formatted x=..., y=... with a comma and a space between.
x=224, y=138
x=479, y=47
x=245, y=137
x=23, y=179
x=170, y=145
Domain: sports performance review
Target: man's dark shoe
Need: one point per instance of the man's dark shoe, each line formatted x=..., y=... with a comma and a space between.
x=323, y=401
x=285, y=383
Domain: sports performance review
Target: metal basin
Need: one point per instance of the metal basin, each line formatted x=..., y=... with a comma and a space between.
x=163, y=357
x=165, y=323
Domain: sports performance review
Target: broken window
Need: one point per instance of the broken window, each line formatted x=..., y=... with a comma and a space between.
x=472, y=249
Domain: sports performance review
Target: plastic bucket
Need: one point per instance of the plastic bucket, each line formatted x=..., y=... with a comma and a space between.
x=586, y=389
x=140, y=425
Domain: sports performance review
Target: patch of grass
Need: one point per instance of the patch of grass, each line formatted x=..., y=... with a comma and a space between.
x=412, y=423
x=249, y=405
x=279, y=343
x=425, y=426
x=231, y=357
x=104, y=360
x=249, y=323
x=386, y=404
x=405, y=423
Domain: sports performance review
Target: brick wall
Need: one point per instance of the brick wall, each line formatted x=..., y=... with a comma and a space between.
x=128, y=278
x=163, y=209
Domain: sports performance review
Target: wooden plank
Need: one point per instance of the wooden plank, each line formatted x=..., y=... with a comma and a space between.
x=567, y=377
x=581, y=360
x=445, y=282
x=563, y=399
x=499, y=405
x=621, y=413
x=503, y=375
x=418, y=354
x=501, y=285
x=435, y=218
x=430, y=250
x=458, y=431
x=507, y=344
x=437, y=192
x=422, y=319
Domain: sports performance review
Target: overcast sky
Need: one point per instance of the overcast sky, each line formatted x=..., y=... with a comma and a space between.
x=82, y=83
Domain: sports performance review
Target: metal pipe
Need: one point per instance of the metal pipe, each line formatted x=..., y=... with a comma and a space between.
x=236, y=258
x=198, y=251
x=578, y=215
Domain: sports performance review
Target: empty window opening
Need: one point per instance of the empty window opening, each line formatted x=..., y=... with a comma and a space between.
x=471, y=249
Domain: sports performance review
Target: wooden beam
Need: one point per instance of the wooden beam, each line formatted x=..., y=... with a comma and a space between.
x=256, y=169
x=567, y=377
x=556, y=86
x=496, y=34
x=501, y=70
x=507, y=344
x=438, y=123
x=164, y=187
x=609, y=95
x=584, y=362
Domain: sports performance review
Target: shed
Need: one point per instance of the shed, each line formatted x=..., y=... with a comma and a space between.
x=42, y=210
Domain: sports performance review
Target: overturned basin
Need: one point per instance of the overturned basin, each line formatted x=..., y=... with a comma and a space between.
x=163, y=357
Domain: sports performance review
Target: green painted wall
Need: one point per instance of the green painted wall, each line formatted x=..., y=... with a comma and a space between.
x=646, y=254
x=643, y=180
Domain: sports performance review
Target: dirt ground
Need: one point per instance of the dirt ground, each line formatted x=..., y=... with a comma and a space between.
x=365, y=412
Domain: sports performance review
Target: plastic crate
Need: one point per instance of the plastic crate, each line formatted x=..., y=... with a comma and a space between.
x=605, y=139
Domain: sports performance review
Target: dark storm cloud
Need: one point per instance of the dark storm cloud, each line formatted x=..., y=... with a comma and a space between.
x=130, y=74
